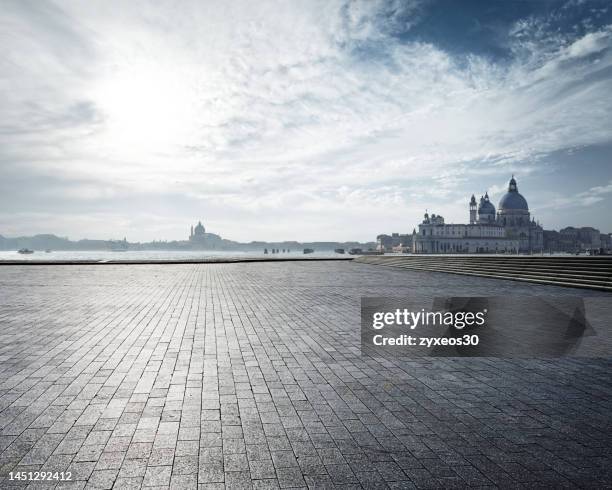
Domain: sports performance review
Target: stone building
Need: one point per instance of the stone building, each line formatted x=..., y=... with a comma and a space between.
x=572, y=240
x=435, y=236
x=552, y=241
x=396, y=242
x=510, y=229
x=577, y=240
x=606, y=242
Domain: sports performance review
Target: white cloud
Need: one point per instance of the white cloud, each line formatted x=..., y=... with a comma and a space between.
x=287, y=109
x=582, y=199
x=591, y=43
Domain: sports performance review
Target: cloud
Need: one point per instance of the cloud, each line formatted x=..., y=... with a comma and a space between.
x=591, y=43
x=285, y=109
x=586, y=198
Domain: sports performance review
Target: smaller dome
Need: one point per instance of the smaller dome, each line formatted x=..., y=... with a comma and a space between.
x=486, y=206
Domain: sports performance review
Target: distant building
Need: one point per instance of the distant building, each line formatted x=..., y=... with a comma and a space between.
x=435, y=236
x=395, y=242
x=606, y=242
x=552, y=241
x=573, y=240
x=119, y=245
x=198, y=234
x=577, y=240
x=509, y=230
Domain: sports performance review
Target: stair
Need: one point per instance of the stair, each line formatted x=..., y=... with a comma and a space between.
x=589, y=272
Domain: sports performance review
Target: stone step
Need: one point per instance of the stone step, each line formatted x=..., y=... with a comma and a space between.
x=525, y=274
x=515, y=277
x=593, y=273
x=583, y=264
x=552, y=263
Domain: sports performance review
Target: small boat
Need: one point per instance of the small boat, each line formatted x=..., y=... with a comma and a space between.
x=308, y=250
x=25, y=251
x=355, y=251
x=339, y=250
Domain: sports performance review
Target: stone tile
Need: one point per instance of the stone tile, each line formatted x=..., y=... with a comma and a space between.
x=133, y=468
x=184, y=482
x=156, y=476
x=102, y=479
x=128, y=483
x=82, y=470
x=110, y=460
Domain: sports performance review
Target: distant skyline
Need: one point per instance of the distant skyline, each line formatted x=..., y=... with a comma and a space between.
x=316, y=120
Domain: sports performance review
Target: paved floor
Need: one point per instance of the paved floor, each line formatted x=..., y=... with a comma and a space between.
x=240, y=375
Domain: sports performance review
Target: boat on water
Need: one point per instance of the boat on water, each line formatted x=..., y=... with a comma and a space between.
x=339, y=250
x=308, y=250
x=25, y=251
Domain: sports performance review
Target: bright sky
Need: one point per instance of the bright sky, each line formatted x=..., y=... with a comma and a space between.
x=313, y=120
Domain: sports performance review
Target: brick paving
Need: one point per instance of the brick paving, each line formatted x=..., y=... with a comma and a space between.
x=251, y=376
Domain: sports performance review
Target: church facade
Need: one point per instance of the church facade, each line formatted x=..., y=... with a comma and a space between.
x=509, y=229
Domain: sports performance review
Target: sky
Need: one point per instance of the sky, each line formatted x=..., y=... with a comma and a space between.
x=311, y=120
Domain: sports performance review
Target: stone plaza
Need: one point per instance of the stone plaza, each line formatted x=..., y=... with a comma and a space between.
x=251, y=375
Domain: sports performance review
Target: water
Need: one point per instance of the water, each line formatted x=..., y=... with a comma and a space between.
x=105, y=255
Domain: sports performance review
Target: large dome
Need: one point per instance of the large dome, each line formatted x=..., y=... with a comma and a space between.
x=513, y=200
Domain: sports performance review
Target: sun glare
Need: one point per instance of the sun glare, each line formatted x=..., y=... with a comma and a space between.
x=146, y=110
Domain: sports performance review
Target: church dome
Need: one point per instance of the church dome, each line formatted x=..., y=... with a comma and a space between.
x=486, y=206
x=513, y=200
x=199, y=229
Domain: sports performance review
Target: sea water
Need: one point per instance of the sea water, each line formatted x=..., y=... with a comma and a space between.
x=107, y=255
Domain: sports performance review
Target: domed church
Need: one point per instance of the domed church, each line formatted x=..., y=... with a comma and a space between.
x=198, y=234
x=513, y=215
x=509, y=230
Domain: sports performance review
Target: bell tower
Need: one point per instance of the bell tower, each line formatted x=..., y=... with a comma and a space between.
x=473, y=208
